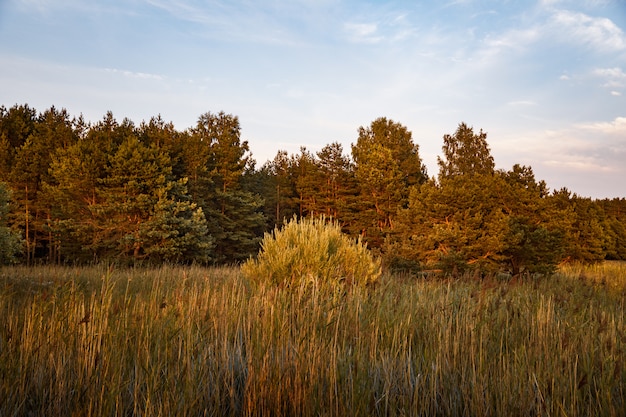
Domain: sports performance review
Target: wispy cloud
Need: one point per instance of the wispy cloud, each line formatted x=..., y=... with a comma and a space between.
x=590, y=147
x=362, y=32
x=595, y=32
x=522, y=103
x=615, y=127
x=613, y=77
x=254, y=22
x=47, y=7
x=136, y=75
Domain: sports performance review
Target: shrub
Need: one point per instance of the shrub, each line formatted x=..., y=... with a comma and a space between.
x=312, y=250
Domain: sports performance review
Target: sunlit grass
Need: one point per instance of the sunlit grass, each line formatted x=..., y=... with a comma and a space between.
x=196, y=341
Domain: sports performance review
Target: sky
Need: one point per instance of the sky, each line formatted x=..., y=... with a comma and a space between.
x=545, y=79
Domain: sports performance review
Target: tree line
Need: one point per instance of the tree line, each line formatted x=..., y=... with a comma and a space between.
x=78, y=192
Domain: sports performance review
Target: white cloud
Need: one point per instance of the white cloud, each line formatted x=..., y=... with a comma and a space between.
x=596, y=32
x=579, y=163
x=362, y=32
x=137, y=75
x=521, y=103
x=587, y=158
x=616, y=93
x=614, y=77
x=515, y=38
x=255, y=22
x=615, y=127
x=48, y=7
x=390, y=28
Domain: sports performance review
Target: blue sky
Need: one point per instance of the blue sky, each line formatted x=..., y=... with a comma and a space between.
x=545, y=79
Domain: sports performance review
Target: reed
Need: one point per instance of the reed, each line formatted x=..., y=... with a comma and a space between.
x=203, y=341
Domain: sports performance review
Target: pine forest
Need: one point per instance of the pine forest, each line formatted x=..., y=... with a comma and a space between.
x=76, y=193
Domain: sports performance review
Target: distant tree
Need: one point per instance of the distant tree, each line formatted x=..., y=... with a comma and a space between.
x=307, y=178
x=478, y=221
x=221, y=158
x=10, y=240
x=74, y=188
x=455, y=226
x=167, y=139
x=337, y=186
x=176, y=230
x=465, y=153
x=52, y=131
x=586, y=237
x=387, y=163
x=537, y=228
x=279, y=189
x=614, y=227
x=16, y=125
x=128, y=194
x=143, y=213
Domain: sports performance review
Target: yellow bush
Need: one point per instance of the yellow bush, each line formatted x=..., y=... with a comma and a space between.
x=312, y=250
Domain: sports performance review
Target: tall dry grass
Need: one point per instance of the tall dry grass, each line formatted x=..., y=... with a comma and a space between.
x=196, y=341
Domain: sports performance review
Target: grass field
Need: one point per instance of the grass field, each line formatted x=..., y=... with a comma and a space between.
x=196, y=341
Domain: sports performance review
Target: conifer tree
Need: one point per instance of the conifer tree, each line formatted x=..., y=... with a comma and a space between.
x=235, y=217
x=478, y=220
x=537, y=228
x=614, y=227
x=337, y=182
x=51, y=132
x=455, y=226
x=586, y=235
x=176, y=230
x=76, y=175
x=277, y=186
x=465, y=153
x=143, y=213
x=387, y=163
x=306, y=178
x=10, y=240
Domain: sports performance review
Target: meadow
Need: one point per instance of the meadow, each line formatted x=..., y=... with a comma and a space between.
x=195, y=341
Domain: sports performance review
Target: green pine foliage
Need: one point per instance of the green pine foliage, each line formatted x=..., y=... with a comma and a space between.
x=10, y=242
x=83, y=192
x=387, y=164
x=312, y=251
x=477, y=220
x=465, y=153
x=177, y=229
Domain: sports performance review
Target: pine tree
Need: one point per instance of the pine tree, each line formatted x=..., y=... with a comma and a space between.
x=465, y=153
x=535, y=241
x=478, y=220
x=387, y=164
x=614, y=227
x=234, y=215
x=176, y=230
x=337, y=185
x=276, y=183
x=586, y=235
x=51, y=132
x=455, y=226
x=10, y=241
x=76, y=175
x=16, y=125
x=306, y=179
